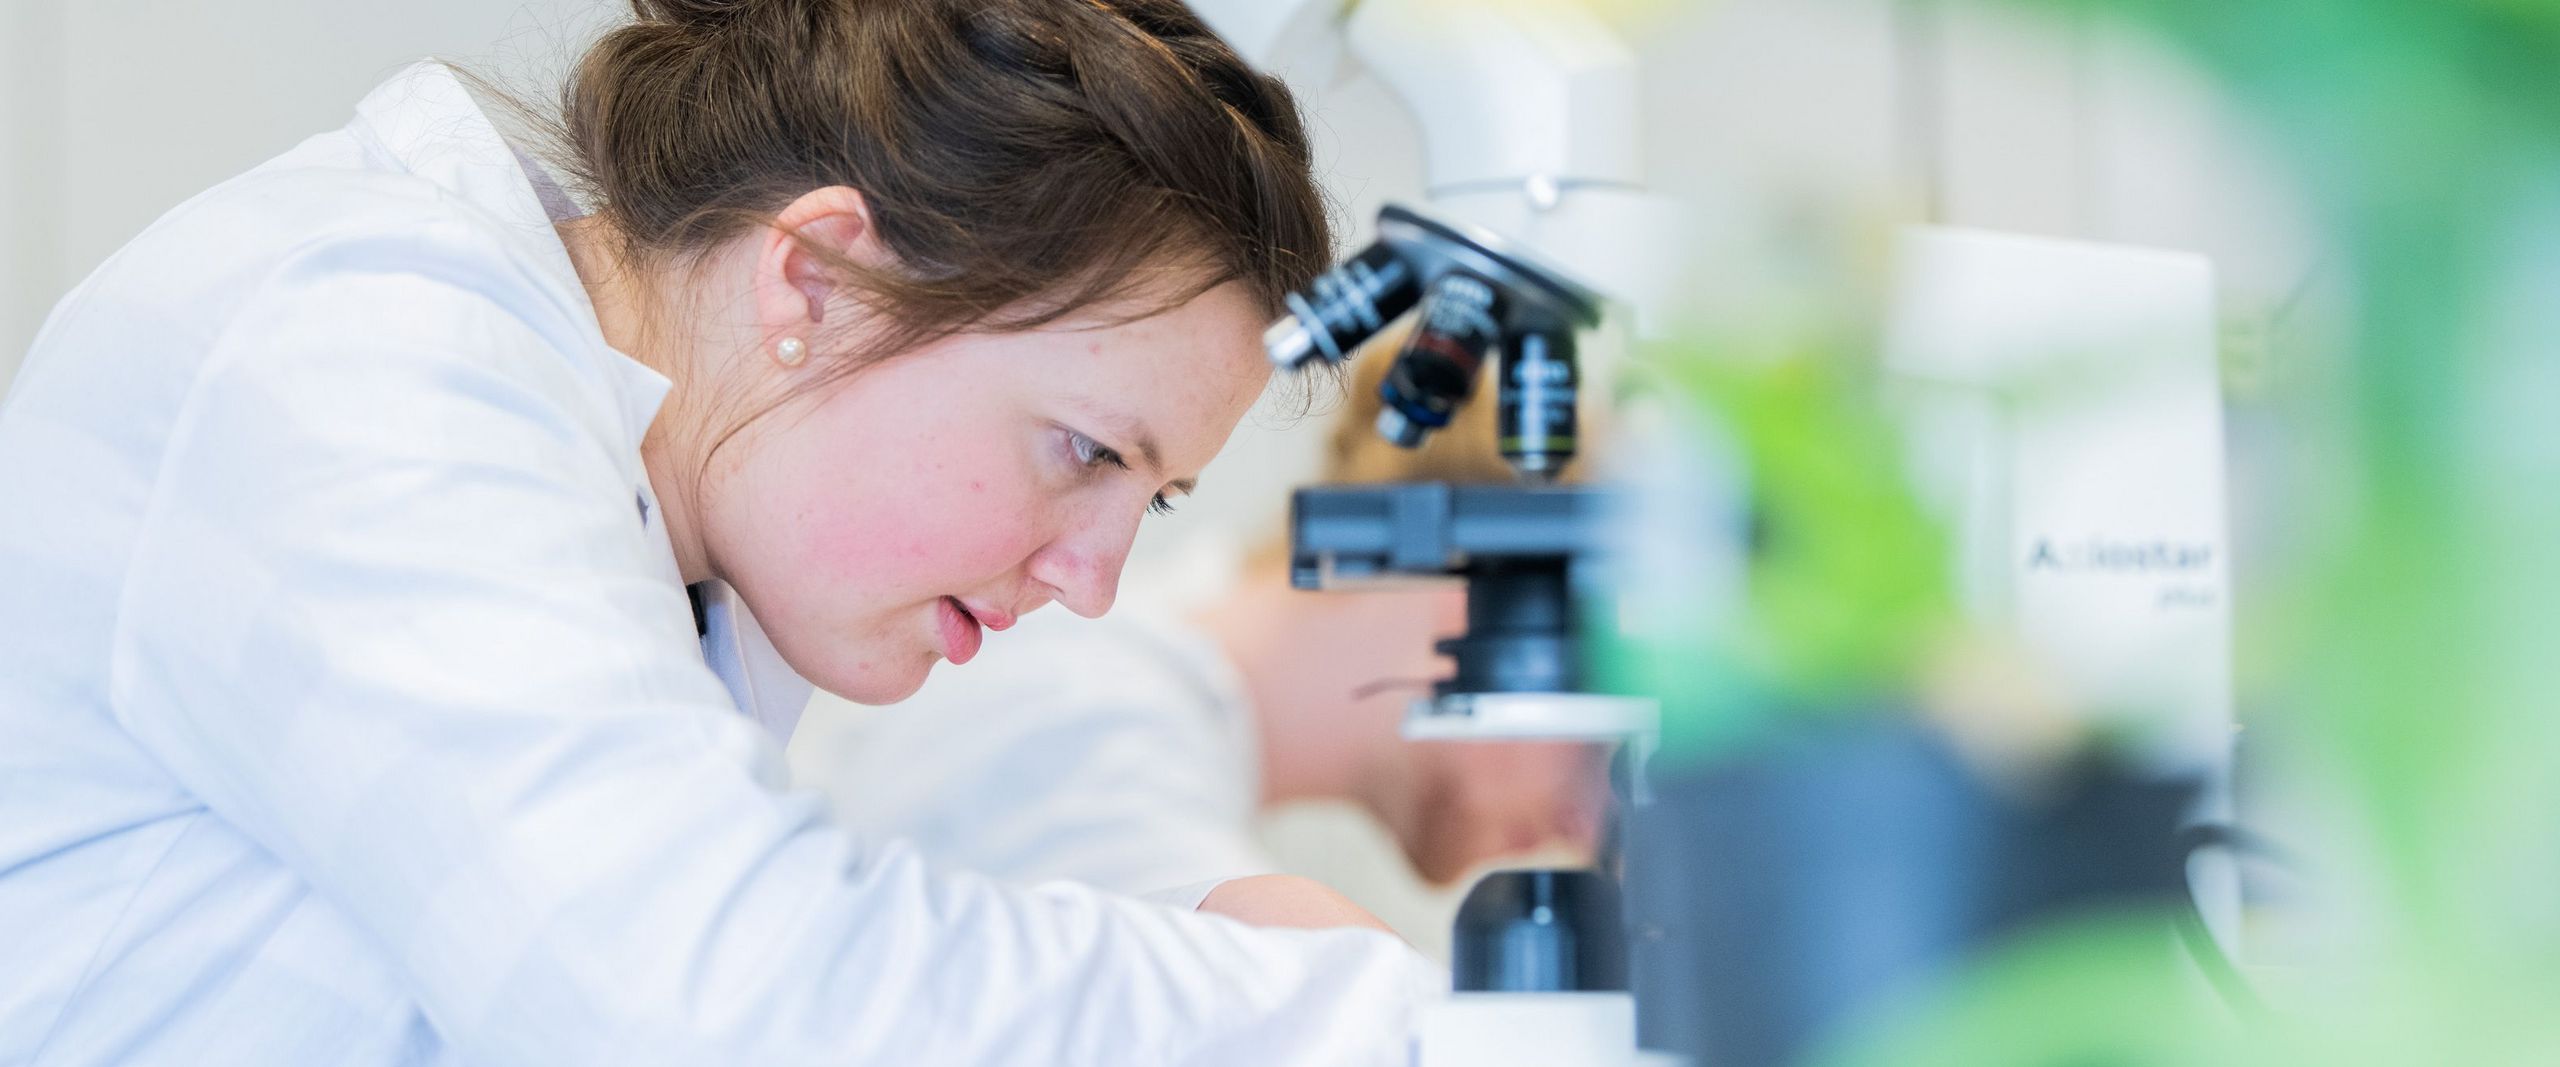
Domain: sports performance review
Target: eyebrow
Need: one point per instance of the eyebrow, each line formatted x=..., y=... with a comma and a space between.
x=1136, y=433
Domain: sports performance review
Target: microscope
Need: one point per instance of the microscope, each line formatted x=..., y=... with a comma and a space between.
x=1529, y=121
x=1539, y=956
x=1532, y=554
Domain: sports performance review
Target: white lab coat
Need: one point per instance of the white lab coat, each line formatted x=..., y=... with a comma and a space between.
x=1120, y=753
x=351, y=711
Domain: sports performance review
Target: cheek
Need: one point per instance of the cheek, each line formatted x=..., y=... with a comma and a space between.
x=946, y=515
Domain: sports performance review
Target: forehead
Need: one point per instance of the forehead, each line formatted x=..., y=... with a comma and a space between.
x=1188, y=372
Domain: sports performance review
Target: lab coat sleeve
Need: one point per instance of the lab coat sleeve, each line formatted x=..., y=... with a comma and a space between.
x=1147, y=803
x=391, y=615
x=1069, y=754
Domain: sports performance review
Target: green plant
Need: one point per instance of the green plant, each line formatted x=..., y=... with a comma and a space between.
x=2427, y=135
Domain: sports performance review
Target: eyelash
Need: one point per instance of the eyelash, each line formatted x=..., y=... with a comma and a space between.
x=1092, y=453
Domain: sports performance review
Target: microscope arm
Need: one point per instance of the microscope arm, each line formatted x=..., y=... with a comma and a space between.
x=1531, y=120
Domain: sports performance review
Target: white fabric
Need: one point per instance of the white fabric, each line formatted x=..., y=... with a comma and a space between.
x=1119, y=753
x=758, y=680
x=351, y=712
x=1185, y=897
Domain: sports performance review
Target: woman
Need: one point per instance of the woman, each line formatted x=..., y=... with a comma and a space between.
x=351, y=706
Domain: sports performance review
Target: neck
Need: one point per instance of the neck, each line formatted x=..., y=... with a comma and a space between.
x=625, y=304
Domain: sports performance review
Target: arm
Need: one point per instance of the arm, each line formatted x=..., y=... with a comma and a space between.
x=391, y=617
x=1282, y=900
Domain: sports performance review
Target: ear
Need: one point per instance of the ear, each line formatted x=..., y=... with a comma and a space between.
x=794, y=289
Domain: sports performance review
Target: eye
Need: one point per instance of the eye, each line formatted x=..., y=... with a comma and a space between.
x=1093, y=455
x=1090, y=453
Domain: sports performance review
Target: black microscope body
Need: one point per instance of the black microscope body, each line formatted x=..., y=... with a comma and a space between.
x=1527, y=551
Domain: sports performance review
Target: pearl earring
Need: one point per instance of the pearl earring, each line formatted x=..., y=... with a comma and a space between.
x=791, y=350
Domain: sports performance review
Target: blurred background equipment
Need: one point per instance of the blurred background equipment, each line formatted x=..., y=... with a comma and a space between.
x=2063, y=480
x=1784, y=898
x=2064, y=410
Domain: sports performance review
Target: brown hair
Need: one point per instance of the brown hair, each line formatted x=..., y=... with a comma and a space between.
x=1022, y=159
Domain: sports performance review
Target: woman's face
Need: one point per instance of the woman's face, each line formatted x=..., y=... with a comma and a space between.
x=891, y=520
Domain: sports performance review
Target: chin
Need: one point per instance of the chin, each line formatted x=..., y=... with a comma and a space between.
x=877, y=686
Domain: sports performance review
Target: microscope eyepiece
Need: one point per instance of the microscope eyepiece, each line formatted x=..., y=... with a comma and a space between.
x=1399, y=430
x=1478, y=295
x=1343, y=309
x=1535, y=424
x=1289, y=342
x=1461, y=322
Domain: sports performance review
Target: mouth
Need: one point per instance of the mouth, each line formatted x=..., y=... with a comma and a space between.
x=960, y=631
x=994, y=619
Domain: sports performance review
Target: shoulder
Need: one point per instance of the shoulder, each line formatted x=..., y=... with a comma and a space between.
x=332, y=299
x=345, y=284
x=395, y=255
x=343, y=229
x=385, y=332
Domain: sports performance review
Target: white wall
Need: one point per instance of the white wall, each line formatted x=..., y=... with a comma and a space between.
x=30, y=120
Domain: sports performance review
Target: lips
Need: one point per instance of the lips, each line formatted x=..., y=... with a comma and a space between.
x=994, y=619
x=960, y=633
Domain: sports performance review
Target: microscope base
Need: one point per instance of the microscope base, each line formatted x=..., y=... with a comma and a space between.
x=1529, y=1030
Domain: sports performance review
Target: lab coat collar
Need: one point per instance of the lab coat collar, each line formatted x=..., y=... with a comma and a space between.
x=426, y=120
x=763, y=686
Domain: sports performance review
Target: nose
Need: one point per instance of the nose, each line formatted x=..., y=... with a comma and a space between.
x=1083, y=564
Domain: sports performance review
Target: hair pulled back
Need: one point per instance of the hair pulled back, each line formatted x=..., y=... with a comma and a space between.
x=1021, y=159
